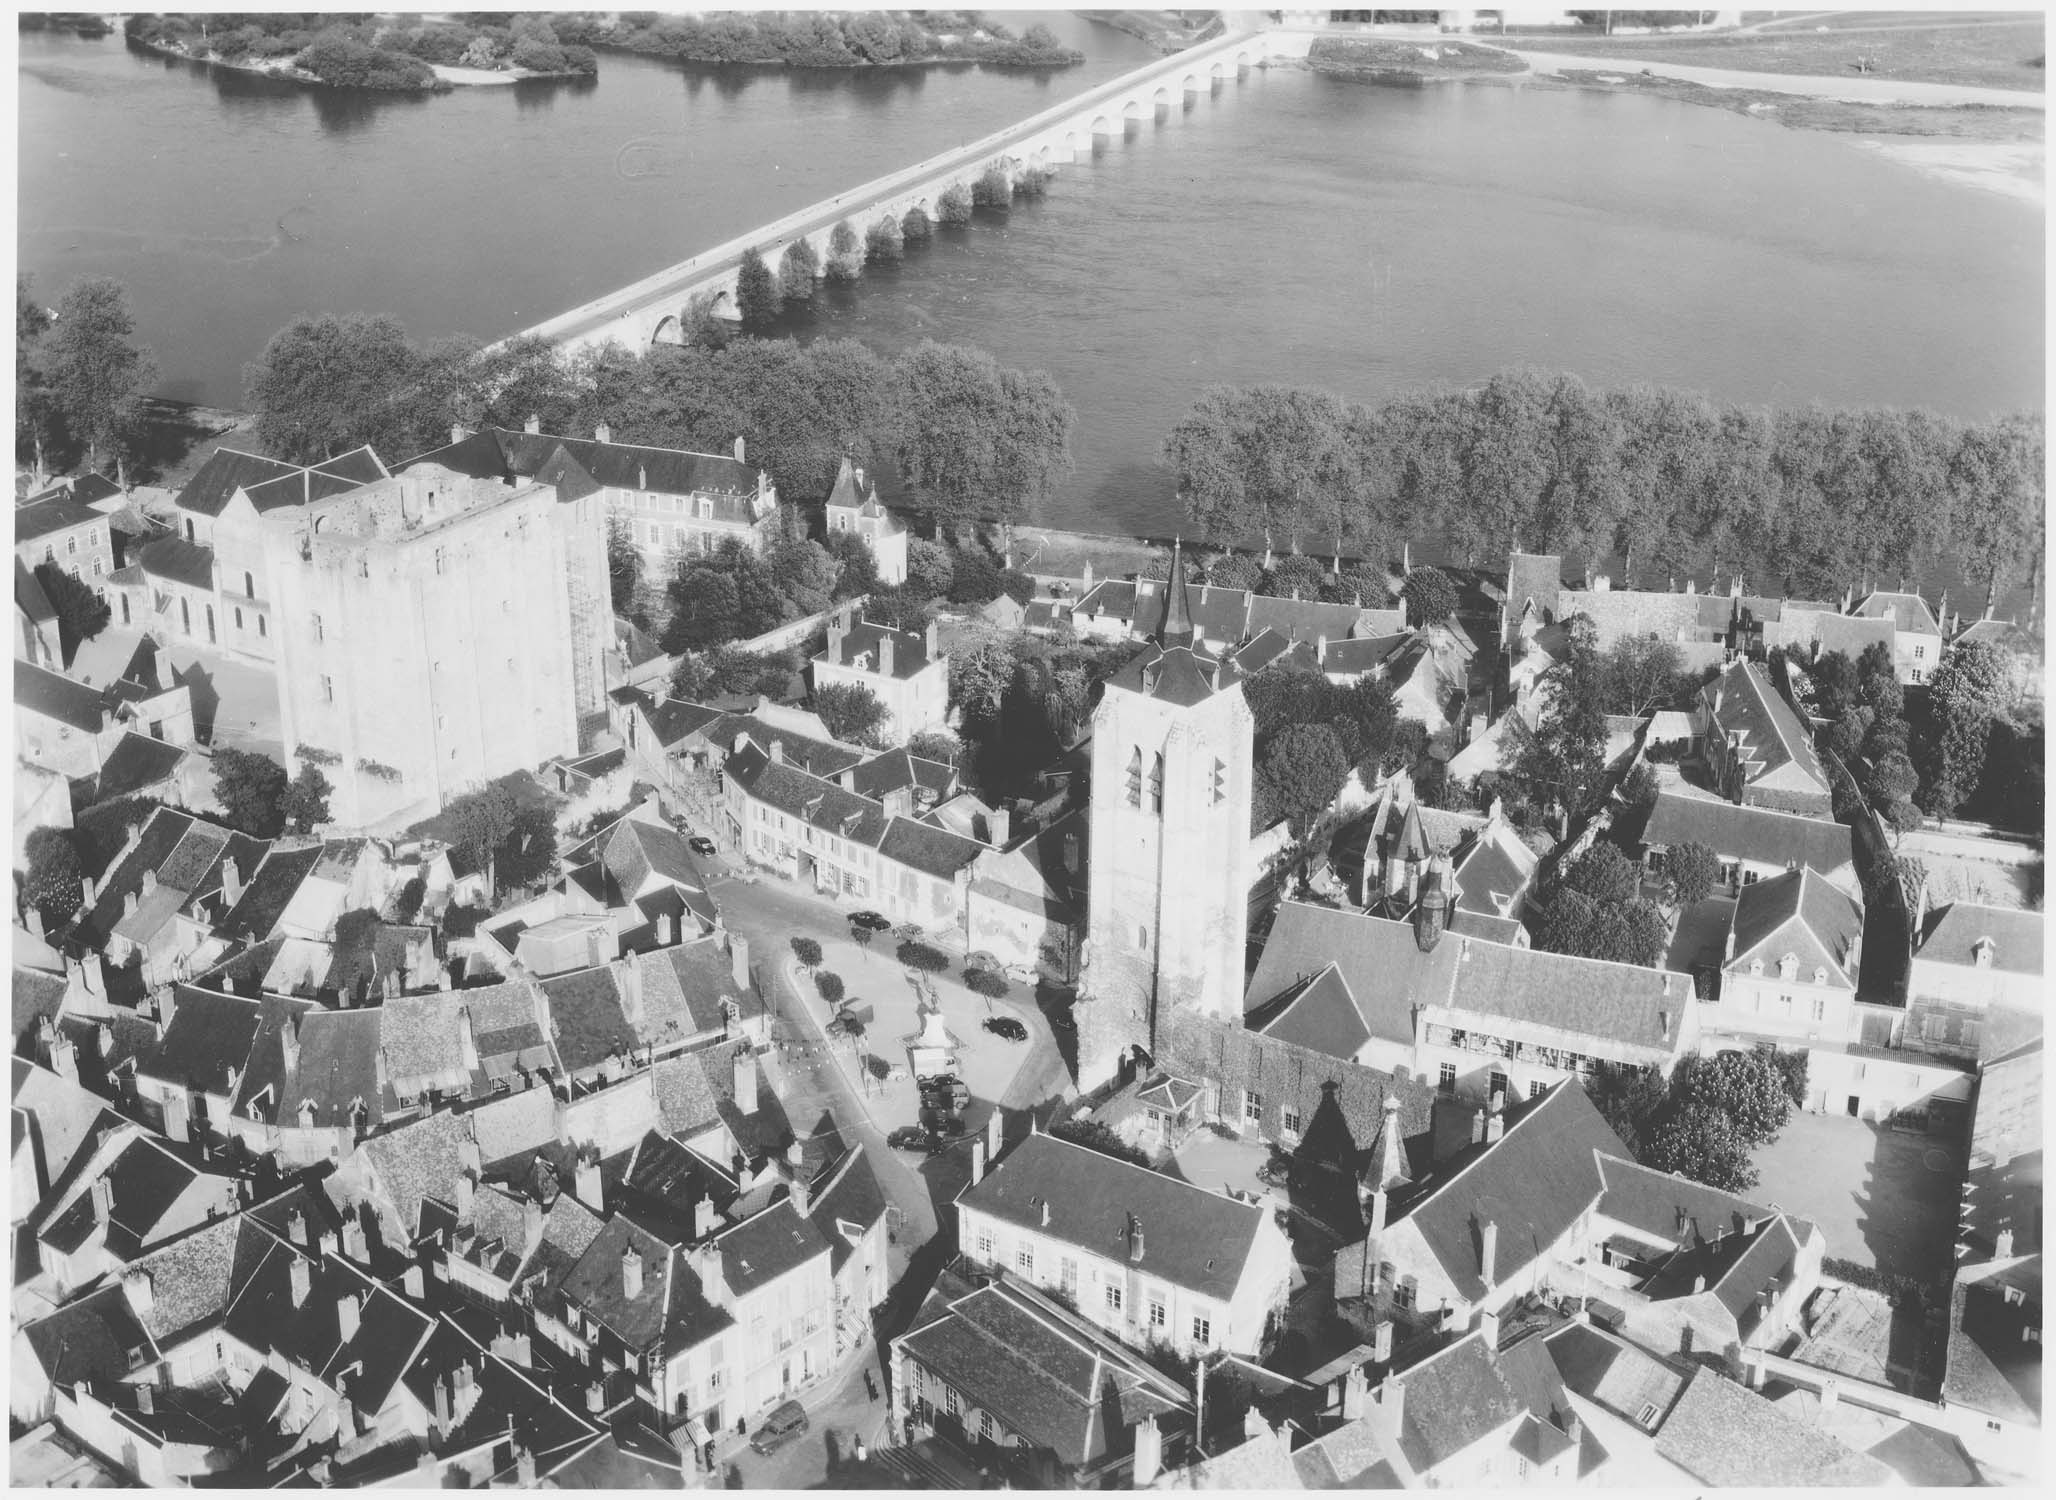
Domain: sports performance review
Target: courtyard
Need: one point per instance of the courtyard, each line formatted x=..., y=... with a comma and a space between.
x=1884, y=1198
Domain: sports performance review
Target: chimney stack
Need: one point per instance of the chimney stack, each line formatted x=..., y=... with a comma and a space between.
x=354, y=1247
x=603, y=433
x=703, y=1217
x=1149, y=1454
x=1392, y=1401
x=1134, y=1239
x=586, y=1185
x=999, y=824
x=302, y=1276
x=886, y=649
x=1488, y=1329
x=977, y=1161
x=1488, y=1252
x=1355, y=1389
x=631, y=1273
x=533, y=424
x=1381, y=1341
x=745, y=1080
x=740, y=451
x=348, y=1312
x=739, y=960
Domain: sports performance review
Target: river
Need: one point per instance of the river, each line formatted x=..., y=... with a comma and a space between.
x=1287, y=227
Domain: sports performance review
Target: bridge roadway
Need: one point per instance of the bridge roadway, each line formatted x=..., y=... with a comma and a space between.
x=650, y=310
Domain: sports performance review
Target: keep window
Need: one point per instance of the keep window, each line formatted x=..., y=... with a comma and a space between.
x=1135, y=778
x=985, y=1244
x=1156, y=1312
x=1113, y=1299
x=1820, y=1010
x=1535, y=1090
x=1202, y=1331
x=949, y=1400
x=985, y=1426
x=1024, y=1260
x=328, y=688
x=1156, y=785
x=1252, y=1106
x=1290, y=1119
x=318, y=634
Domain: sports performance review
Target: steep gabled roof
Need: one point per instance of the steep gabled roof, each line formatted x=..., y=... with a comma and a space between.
x=1320, y=1013
x=226, y=471
x=59, y=513
x=1953, y=937
x=1726, y=1435
x=55, y=696
x=1759, y=835
x=1744, y=704
x=1907, y=612
x=1800, y=913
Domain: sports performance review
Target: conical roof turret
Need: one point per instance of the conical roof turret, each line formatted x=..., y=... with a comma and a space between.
x=1176, y=629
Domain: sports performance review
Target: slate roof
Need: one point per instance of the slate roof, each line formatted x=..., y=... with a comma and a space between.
x=36, y=995
x=136, y=763
x=145, y=1180
x=926, y=847
x=416, y=1162
x=226, y=471
x=671, y=1312
x=588, y=1021
x=1755, y=834
x=1746, y=704
x=1182, y=675
x=766, y=1246
x=1320, y=1013
x=909, y=648
x=1651, y=1202
x=390, y=1330
x=1597, y=1005
x=847, y=1191
x=1454, y=1398
x=268, y=892
x=683, y=987
x=43, y=518
x=89, y=1340
x=1191, y=1237
x=1723, y=1434
x=1953, y=935
x=1533, y=1183
x=38, y=690
x=1615, y=1374
x=179, y=560
x=642, y=849
x=209, y=1036
x=1045, y=1372
x=893, y=769
x=1991, y=1367
x=338, y=1066
x=1536, y=577
x=1800, y=912
x=1907, y=612
x=1360, y=654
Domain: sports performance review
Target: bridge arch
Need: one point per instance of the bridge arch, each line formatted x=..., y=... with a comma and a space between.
x=1131, y=109
x=667, y=331
x=1216, y=72
x=1189, y=83
x=1241, y=61
x=1101, y=125
x=1162, y=99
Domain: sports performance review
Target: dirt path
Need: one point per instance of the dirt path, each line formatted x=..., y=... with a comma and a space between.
x=1863, y=90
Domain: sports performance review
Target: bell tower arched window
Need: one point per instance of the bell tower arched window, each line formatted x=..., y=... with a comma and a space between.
x=1135, y=778
x=1156, y=785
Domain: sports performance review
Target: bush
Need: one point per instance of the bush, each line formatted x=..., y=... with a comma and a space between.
x=830, y=986
x=916, y=225
x=798, y=269
x=407, y=904
x=845, y=253
x=954, y=206
x=758, y=299
x=537, y=56
x=807, y=951
x=462, y=921
x=987, y=982
x=1903, y=1290
x=337, y=59
x=251, y=789
x=1032, y=183
x=992, y=189
x=51, y=885
x=1094, y=1136
x=1691, y=869
x=916, y=954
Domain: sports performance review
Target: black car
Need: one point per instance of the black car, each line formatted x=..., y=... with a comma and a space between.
x=908, y=1138
x=1006, y=1028
x=870, y=920
x=785, y=1423
x=940, y=1124
x=699, y=843
x=945, y=1095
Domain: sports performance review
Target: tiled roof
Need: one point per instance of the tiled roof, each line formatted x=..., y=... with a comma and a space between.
x=586, y=1014
x=846, y=1192
x=1992, y=1368
x=226, y=471
x=1454, y=1398
x=1953, y=937
x=1191, y=1237
x=1536, y=578
x=1319, y=1013
x=1652, y=1202
x=670, y=1312
x=683, y=988
x=179, y=560
x=644, y=849
x=1495, y=869
x=687, y=1101
x=930, y=849
x=416, y=1161
x=338, y=1068
x=1755, y=834
x=1799, y=912
x=1723, y=1434
x=1615, y=1374
x=1362, y=653
x=55, y=696
x=47, y=517
x=893, y=769
x=1041, y=1369
x=136, y=763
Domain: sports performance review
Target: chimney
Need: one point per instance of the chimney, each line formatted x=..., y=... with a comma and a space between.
x=354, y=1247
x=231, y=884
x=533, y=424
x=459, y=432
x=1478, y=1128
x=1488, y=1252
x=1573, y=1427
x=631, y=1273
x=142, y=1293
x=64, y=1057
x=149, y=881
x=1381, y=1341
x=87, y=891
x=1134, y=1239
x=467, y=1187
x=928, y=640
x=740, y=451
x=886, y=648
x=586, y=1185
x=1355, y=1389
x=777, y=752
x=802, y=1192
x=1379, y=1204
x=524, y=1469
x=999, y=824
x=977, y=1161
x=1495, y=1127
x=1488, y=1329
x=296, y=1228
x=289, y=1044
x=1149, y=1454
x=703, y=1217
x=2002, y=1245
x=1392, y=1401
x=348, y=1312
x=745, y=1079
x=836, y=635
x=302, y=1273
x=128, y=904
x=146, y=1399
x=739, y=960
x=603, y=433
x=442, y=1406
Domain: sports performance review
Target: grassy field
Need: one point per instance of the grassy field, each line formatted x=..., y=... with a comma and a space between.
x=1800, y=112
x=2006, y=56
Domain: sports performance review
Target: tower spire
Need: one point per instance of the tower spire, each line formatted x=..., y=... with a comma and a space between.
x=1176, y=629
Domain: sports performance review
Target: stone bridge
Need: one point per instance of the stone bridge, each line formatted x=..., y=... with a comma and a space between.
x=655, y=309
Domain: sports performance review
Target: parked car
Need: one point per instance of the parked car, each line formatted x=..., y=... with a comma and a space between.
x=945, y=1094
x=908, y=1138
x=1059, y=1018
x=939, y=1125
x=870, y=920
x=699, y=843
x=787, y=1421
x=1006, y=1028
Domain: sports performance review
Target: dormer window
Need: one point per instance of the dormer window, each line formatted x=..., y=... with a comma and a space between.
x=1982, y=951
x=1755, y=967
x=1788, y=966
x=1820, y=974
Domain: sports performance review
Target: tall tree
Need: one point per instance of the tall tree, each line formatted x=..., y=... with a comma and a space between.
x=81, y=613
x=1642, y=674
x=852, y=713
x=251, y=789
x=757, y=298
x=326, y=384
x=34, y=414
x=1430, y=597
x=978, y=440
x=51, y=885
x=304, y=804
x=94, y=369
x=1561, y=757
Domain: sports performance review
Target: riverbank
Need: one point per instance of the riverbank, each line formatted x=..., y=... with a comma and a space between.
x=1164, y=30
x=286, y=70
x=1409, y=63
